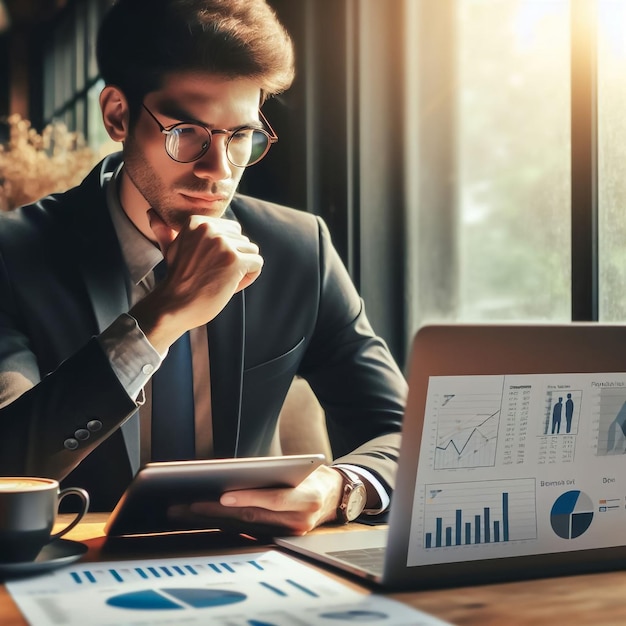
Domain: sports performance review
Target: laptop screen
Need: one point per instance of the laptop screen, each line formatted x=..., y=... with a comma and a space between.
x=513, y=455
x=515, y=465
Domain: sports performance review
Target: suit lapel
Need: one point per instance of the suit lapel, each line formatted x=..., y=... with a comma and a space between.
x=107, y=292
x=99, y=255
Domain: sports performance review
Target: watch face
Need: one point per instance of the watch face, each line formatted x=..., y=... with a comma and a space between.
x=356, y=503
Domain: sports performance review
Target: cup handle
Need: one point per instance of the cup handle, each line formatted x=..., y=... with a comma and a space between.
x=84, y=496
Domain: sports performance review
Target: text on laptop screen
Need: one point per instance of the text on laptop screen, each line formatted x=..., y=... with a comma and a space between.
x=520, y=465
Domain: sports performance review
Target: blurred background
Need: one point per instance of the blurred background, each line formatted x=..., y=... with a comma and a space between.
x=466, y=154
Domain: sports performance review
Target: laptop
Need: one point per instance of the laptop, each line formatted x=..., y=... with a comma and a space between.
x=512, y=463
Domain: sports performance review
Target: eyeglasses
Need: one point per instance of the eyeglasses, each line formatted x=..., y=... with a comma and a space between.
x=186, y=142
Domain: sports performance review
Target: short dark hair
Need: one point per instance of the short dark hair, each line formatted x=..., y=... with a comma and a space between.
x=142, y=41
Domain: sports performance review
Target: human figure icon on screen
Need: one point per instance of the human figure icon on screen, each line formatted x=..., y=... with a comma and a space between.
x=556, y=416
x=569, y=412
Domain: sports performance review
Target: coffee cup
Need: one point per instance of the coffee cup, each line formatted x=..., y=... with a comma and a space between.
x=28, y=510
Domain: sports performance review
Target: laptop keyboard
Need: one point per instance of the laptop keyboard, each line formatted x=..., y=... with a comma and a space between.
x=369, y=559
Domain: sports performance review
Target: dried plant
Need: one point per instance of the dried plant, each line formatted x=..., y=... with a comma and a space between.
x=33, y=165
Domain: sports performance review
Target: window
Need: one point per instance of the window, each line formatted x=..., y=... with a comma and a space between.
x=70, y=74
x=493, y=208
x=469, y=189
x=612, y=159
x=513, y=160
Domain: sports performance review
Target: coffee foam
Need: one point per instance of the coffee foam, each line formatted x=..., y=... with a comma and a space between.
x=9, y=484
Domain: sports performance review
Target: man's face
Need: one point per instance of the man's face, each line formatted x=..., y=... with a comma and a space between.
x=206, y=186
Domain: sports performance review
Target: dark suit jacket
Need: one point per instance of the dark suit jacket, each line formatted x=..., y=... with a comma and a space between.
x=63, y=280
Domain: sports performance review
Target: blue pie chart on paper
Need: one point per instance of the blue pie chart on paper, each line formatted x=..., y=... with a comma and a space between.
x=175, y=599
x=571, y=514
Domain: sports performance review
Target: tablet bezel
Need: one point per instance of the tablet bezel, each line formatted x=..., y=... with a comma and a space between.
x=142, y=509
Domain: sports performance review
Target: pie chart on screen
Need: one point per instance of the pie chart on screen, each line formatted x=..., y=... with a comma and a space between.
x=571, y=514
x=175, y=599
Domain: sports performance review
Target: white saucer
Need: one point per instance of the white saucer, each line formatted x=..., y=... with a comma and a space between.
x=55, y=554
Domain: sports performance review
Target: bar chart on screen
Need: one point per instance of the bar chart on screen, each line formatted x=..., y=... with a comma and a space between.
x=480, y=512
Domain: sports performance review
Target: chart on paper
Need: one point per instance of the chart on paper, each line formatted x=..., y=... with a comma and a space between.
x=257, y=589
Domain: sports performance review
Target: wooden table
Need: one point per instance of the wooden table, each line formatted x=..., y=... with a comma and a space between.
x=593, y=599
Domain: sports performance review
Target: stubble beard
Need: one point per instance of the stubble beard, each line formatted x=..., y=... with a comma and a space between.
x=148, y=183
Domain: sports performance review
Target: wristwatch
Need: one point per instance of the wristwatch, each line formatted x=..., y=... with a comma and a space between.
x=353, y=496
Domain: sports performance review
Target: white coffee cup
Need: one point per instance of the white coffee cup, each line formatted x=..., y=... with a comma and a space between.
x=28, y=510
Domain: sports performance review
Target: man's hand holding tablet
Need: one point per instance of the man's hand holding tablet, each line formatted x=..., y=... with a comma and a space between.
x=184, y=495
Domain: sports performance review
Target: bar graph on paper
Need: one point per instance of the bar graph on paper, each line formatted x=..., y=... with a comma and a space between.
x=256, y=589
x=494, y=511
x=467, y=429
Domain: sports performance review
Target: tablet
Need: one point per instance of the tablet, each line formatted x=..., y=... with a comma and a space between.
x=142, y=509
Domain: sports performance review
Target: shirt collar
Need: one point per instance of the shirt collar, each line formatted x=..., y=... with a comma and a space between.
x=140, y=254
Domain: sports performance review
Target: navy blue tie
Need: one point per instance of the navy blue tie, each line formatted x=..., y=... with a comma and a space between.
x=173, y=429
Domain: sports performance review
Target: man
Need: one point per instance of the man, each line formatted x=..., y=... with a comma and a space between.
x=155, y=249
